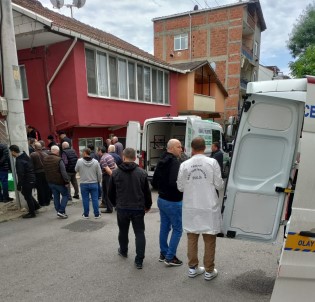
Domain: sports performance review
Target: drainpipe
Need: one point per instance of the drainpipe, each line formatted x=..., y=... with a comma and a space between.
x=51, y=111
x=190, y=37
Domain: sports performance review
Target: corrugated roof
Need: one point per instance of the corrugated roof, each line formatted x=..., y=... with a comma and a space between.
x=244, y=2
x=80, y=28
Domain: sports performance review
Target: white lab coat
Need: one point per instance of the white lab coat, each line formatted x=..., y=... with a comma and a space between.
x=198, y=178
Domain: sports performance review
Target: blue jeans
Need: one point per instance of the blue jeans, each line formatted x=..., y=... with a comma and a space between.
x=60, y=205
x=86, y=191
x=4, y=190
x=171, y=217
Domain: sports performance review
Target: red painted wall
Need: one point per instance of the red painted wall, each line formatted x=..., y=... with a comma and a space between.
x=72, y=106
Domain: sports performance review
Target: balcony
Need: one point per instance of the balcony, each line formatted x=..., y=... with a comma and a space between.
x=248, y=53
x=203, y=103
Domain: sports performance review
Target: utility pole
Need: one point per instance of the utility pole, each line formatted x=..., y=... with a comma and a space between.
x=11, y=82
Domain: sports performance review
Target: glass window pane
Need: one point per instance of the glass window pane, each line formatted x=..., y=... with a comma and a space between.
x=166, y=88
x=122, y=69
x=91, y=70
x=102, y=74
x=24, y=83
x=132, y=81
x=159, y=95
x=140, y=82
x=147, y=84
x=177, y=43
x=154, y=86
x=185, y=42
x=113, y=76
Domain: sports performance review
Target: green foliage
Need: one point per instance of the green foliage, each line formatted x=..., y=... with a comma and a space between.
x=305, y=64
x=303, y=33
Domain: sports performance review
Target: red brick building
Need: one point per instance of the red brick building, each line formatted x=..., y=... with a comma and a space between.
x=228, y=36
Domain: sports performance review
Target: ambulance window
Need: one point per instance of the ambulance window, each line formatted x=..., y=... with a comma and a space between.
x=216, y=136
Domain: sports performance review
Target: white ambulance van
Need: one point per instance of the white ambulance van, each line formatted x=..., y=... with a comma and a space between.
x=151, y=140
x=277, y=121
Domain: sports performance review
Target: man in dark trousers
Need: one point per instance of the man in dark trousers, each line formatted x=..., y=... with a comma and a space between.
x=217, y=154
x=43, y=191
x=129, y=191
x=26, y=179
x=70, y=158
x=5, y=166
x=169, y=202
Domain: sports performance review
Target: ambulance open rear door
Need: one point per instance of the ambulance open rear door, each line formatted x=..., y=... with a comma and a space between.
x=264, y=154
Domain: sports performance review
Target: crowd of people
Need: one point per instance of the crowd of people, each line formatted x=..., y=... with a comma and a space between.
x=188, y=198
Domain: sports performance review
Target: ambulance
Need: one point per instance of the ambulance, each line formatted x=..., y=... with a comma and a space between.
x=276, y=136
x=150, y=141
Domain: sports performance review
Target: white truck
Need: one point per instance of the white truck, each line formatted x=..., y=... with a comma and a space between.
x=277, y=121
x=150, y=141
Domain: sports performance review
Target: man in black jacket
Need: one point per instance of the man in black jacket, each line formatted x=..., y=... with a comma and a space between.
x=26, y=179
x=5, y=166
x=217, y=154
x=70, y=158
x=169, y=202
x=129, y=191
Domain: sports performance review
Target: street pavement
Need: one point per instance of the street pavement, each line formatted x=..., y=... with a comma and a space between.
x=52, y=259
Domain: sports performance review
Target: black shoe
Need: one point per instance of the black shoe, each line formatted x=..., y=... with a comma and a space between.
x=76, y=196
x=10, y=199
x=29, y=215
x=174, y=262
x=37, y=206
x=5, y=201
x=138, y=265
x=125, y=255
x=162, y=257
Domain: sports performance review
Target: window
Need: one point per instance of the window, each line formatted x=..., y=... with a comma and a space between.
x=113, y=76
x=23, y=82
x=147, y=84
x=110, y=75
x=122, y=70
x=102, y=74
x=91, y=70
x=132, y=80
x=95, y=141
x=140, y=82
x=181, y=42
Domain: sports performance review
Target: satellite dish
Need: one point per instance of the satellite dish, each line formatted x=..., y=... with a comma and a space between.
x=57, y=3
x=78, y=3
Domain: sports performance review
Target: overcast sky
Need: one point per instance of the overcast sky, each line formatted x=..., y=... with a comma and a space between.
x=131, y=20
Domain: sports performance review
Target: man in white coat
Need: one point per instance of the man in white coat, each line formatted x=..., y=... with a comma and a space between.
x=198, y=178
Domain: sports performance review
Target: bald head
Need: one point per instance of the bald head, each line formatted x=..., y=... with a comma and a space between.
x=65, y=145
x=174, y=146
x=115, y=139
x=38, y=146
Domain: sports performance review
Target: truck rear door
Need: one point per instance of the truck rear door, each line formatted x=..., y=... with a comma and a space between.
x=133, y=138
x=264, y=154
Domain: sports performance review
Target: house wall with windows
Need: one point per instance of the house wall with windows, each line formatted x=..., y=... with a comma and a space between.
x=81, y=105
x=226, y=35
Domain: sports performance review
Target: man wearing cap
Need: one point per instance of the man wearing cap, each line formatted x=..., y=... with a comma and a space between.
x=51, y=141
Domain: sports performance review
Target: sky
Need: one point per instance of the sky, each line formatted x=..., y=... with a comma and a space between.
x=131, y=20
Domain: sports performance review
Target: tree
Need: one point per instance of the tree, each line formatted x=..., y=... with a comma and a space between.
x=303, y=33
x=305, y=64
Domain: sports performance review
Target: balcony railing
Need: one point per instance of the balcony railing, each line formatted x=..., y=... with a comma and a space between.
x=203, y=103
x=248, y=53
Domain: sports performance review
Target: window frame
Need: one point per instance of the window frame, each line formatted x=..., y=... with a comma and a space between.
x=24, y=84
x=182, y=38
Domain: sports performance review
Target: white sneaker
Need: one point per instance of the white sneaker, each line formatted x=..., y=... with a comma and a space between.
x=212, y=275
x=193, y=272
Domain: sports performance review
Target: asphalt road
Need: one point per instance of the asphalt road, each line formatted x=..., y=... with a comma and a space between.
x=50, y=259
